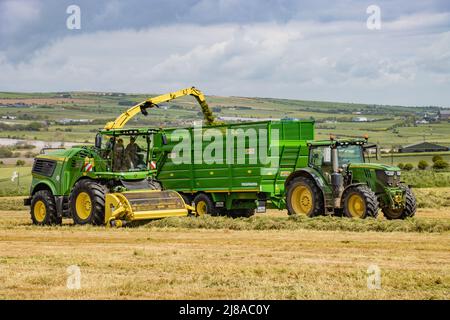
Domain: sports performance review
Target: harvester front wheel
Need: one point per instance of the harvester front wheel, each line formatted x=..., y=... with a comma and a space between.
x=204, y=205
x=360, y=202
x=43, y=209
x=304, y=198
x=408, y=211
x=87, y=203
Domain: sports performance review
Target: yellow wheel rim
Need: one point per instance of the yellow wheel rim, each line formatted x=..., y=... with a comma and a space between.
x=201, y=208
x=356, y=206
x=83, y=205
x=40, y=211
x=302, y=200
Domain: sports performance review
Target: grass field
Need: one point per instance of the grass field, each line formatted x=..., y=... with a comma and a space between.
x=270, y=256
x=413, y=158
x=159, y=262
x=388, y=130
x=20, y=185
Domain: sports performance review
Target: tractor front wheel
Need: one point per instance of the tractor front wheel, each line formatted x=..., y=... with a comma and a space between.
x=360, y=202
x=304, y=198
x=87, y=202
x=408, y=211
x=43, y=209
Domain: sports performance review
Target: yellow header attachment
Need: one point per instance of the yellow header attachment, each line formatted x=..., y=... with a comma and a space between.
x=124, y=207
x=152, y=102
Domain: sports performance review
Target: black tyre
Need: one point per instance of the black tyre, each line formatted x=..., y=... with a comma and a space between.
x=43, y=209
x=245, y=213
x=188, y=200
x=360, y=202
x=87, y=203
x=408, y=211
x=203, y=204
x=304, y=197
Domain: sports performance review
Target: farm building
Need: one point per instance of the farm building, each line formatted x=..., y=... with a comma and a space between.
x=423, y=147
x=444, y=115
x=359, y=119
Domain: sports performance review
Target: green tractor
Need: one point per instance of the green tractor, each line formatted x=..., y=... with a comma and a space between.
x=339, y=179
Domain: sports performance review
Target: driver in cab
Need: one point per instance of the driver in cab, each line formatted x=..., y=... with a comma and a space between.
x=131, y=153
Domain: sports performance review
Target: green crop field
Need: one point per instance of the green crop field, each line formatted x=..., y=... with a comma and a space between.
x=21, y=183
x=393, y=126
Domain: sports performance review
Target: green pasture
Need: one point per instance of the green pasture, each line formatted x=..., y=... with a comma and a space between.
x=20, y=185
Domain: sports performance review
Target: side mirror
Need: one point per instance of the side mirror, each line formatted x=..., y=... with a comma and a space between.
x=164, y=139
x=378, y=153
x=98, y=141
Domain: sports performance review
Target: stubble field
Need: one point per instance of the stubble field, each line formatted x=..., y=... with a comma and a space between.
x=183, y=259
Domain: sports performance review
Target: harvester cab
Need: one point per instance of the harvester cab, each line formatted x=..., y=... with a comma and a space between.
x=112, y=182
x=349, y=184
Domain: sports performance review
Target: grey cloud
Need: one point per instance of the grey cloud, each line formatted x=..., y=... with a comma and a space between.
x=285, y=60
x=292, y=49
x=110, y=15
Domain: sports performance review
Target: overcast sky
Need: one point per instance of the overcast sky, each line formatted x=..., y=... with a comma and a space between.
x=311, y=50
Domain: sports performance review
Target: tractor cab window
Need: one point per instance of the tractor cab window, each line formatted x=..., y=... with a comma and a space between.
x=129, y=153
x=350, y=154
x=320, y=156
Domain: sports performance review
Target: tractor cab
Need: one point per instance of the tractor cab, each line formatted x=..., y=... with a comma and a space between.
x=328, y=156
x=126, y=150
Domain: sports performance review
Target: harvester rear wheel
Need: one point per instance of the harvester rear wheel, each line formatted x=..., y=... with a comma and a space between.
x=87, y=202
x=360, y=202
x=304, y=197
x=43, y=209
x=408, y=211
x=204, y=205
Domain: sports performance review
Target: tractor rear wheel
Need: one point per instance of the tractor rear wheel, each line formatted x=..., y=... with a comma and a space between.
x=43, y=209
x=203, y=205
x=407, y=212
x=360, y=202
x=304, y=197
x=87, y=202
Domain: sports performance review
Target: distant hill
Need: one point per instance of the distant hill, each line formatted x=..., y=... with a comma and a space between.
x=388, y=125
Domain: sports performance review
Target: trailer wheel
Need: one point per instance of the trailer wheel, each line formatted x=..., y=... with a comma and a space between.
x=360, y=202
x=304, y=197
x=245, y=213
x=204, y=205
x=87, y=203
x=43, y=209
x=408, y=211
